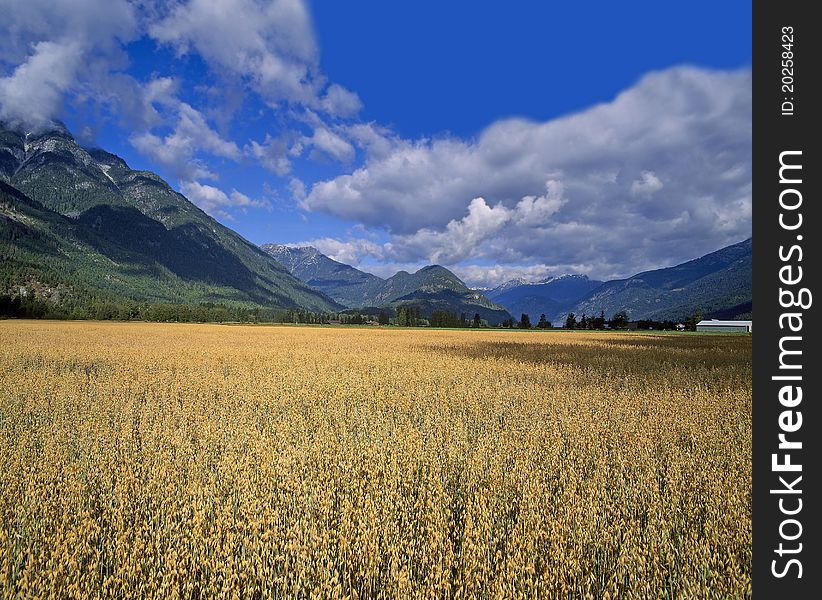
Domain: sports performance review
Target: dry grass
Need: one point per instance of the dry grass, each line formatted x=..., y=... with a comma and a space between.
x=144, y=460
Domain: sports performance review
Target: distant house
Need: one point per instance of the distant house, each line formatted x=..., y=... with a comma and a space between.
x=680, y=326
x=725, y=326
x=334, y=322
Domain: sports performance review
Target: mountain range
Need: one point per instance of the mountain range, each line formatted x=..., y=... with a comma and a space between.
x=718, y=285
x=547, y=297
x=79, y=225
x=430, y=288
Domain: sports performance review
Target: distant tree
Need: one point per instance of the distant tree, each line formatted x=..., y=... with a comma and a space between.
x=443, y=318
x=463, y=320
x=383, y=318
x=408, y=316
x=525, y=321
x=583, y=322
x=543, y=323
x=597, y=322
x=690, y=322
x=477, y=320
x=571, y=321
x=619, y=320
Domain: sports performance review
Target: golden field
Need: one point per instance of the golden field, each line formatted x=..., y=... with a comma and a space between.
x=177, y=461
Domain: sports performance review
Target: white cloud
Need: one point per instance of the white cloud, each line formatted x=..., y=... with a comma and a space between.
x=175, y=157
x=100, y=25
x=378, y=141
x=460, y=238
x=490, y=276
x=59, y=52
x=474, y=234
x=58, y=47
x=538, y=210
x=331, y=144
x=33, y=93
x=350, y=252
x=216, y=202
x=177, y=150
x=269, y=45
x=193, y=129
x=647, y=185
x=272, y=154
x=297, y=188
x=657, y=175
x=686, y=127
x=340, y=101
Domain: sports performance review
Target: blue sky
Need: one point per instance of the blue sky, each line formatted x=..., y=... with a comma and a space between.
x=526, y=141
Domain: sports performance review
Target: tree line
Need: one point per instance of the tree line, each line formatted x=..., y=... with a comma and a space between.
x=34, y=307
x=620, y=320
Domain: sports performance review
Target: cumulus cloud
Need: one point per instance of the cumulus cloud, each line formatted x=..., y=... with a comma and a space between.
x=647, y=185
x=459, y=240
x=55, y=53
x=215, y=202
x=668, y=161
x=33, y=93
x=54, y=47
x=297, y=188
x=269, y=45
x=177, y=150
x=272, y=154
x=490, y=276
x=103, y=24
x=272, y=43
x=350, y=252
x=330, y=144
x=538, y=210
x=477, y=233
x=376, y=140
x=657, y=175
x=340, y=101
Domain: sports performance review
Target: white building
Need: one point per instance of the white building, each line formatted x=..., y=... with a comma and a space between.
x=725, y=326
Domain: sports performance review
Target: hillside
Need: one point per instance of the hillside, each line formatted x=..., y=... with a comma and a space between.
x=431, y=288
x=718, y=283
x=343, y=283
x=547, y=297
x=492, y=293
x=83, y=222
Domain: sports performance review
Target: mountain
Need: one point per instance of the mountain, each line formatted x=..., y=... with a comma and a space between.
x=431, y=288
x=82, y=222
x=436, y=288
x=428, y=280
x=547, y=297
x=345, y=284
x=717, y=284
x=502, y=288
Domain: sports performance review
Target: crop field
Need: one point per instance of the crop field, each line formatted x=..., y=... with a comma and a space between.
x=204, y=461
